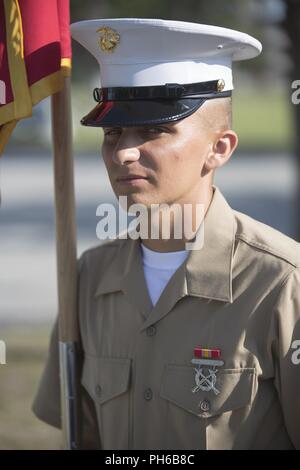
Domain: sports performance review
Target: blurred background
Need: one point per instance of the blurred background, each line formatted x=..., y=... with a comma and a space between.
x=262, y=180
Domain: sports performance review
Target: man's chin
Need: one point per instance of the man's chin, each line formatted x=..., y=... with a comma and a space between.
x=134, y=198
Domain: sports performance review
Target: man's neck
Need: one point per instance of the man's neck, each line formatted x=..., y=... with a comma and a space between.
x=178, y=244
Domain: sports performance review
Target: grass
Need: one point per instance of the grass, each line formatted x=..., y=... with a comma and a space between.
x=263, y=121
x=26, y=353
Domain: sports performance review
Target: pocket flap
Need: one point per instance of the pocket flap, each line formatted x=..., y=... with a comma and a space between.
x=105, y=377
x=235, y=387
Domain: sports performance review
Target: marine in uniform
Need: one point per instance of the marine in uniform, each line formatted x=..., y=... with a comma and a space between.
x=181, y=349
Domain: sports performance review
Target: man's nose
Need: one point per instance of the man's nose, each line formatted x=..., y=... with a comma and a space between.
x=126, y=151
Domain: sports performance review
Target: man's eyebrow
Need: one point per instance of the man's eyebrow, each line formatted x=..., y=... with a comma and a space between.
x=170, y=125
x=162, y=124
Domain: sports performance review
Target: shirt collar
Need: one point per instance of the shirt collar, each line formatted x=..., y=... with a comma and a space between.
x=207, y=272
x=209, y=269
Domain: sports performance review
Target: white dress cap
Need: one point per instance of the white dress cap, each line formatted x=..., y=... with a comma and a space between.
x=135, y=52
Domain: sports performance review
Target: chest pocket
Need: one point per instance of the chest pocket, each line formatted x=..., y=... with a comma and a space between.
x=107, y=380
x=189, y=414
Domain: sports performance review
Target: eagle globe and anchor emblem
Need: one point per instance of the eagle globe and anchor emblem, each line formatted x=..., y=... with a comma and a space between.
x=109, y=39
x=206, y=378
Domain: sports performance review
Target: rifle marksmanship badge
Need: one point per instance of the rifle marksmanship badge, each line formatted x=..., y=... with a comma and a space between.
x=109, y=39
x=207, y=361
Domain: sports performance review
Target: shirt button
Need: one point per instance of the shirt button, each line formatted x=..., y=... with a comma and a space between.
x=98, y=390
x=204, y=405
x=148, y=394
x=151, y=330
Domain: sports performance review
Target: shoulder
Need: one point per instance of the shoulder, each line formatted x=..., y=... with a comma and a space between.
x=101, y=265
x=105, y=253
x=266, y=241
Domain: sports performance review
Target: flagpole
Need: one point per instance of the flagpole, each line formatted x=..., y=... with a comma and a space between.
x=66, y=262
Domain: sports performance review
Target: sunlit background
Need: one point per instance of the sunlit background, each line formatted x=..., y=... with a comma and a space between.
x=262, y=180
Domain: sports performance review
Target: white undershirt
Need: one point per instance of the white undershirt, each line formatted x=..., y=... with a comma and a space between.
x=159, y=268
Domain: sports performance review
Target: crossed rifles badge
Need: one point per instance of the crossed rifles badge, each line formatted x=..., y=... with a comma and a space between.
x=206, y=378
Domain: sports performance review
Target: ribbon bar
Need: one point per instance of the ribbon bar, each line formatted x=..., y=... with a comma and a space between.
x=207, y=353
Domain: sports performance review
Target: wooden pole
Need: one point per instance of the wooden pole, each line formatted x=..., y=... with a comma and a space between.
x=66, y=262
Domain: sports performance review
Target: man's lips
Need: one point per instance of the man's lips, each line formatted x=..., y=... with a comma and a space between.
x=131, y=177
x=131, y=180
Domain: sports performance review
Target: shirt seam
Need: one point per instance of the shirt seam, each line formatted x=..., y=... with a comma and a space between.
x=267, y=249
x=280, y=287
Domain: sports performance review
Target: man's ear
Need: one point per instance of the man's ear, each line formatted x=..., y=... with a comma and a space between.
x=221, y=149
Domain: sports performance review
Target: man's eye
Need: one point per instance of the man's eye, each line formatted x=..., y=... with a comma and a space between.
x=155, y=130
x=108, y=132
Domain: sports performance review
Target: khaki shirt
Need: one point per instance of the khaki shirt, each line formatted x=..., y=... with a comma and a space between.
x=239, y=293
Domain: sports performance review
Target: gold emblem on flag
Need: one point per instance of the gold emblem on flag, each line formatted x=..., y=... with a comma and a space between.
x=109, y=39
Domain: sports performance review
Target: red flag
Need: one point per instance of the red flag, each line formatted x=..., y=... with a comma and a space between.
x=35, y=55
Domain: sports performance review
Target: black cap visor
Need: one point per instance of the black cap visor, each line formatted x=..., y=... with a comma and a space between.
x=141, y=112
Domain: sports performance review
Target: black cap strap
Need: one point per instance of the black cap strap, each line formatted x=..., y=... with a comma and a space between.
x=168, y=91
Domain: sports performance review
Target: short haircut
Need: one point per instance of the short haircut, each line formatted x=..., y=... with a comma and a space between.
x=216, y=114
